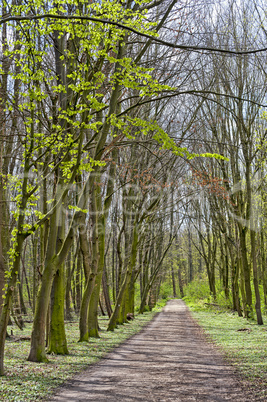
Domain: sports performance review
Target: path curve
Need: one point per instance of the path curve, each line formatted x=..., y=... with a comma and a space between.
x=168, y=361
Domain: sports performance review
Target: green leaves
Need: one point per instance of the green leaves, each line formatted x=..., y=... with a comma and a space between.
x=77, y=209
x=67, y=73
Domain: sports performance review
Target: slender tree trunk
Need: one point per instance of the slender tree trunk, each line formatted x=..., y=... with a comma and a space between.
x=180, y=281
x=173, y=280
x=2, y=263
x=6, y=307
x=115, y=315
x=235, y=273
x=101, y=308
x=18, y=314
x=94, y=299
x=114, y=261
x=131, y=294
x=20, y=293
x=225, y=268
x=3, y=230
x=130, y=263
x=15, y=267
x=120, y=263
x=190, y=261
x=255, y=277
x=89, y=266
x=101, y=218
x=69, y=274
x=35, y=270
x=242, y=285
x=78, y=290
x=106, y=292
x=263, y=269
x=245, y=270
x=93, y=308
x=153, y=277
x=235, y=279
x=37, y=352
x=24, y=273
x=83, y=323
x=94, y=302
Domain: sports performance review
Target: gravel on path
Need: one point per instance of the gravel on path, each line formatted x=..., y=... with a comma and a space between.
x=169, y=360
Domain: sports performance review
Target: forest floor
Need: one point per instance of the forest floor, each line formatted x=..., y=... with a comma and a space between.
x=169, y=360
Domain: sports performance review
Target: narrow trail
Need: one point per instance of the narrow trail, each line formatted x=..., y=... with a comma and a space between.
x=168, y=361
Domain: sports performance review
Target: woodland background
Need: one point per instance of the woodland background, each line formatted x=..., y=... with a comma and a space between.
x=132, y=161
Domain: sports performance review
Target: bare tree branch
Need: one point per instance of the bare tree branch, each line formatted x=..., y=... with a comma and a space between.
x=119, y=25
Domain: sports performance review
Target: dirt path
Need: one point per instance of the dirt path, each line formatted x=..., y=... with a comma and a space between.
x=168, y=361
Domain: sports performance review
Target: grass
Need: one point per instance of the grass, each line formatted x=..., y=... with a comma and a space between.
x=27, y=381
x=242, y=341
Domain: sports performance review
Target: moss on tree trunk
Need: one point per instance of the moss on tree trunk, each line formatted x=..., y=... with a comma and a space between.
x=93, y=308
x=57, y=343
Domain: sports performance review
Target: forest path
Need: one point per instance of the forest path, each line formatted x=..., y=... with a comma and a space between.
x=167, y=361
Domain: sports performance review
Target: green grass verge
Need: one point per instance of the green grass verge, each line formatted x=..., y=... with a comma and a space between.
x=27, y=381
x=242, y=341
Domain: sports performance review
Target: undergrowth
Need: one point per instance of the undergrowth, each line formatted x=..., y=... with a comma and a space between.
x=242, y=341
x=28, y=381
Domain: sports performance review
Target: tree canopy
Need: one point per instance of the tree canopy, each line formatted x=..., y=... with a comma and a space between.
x=132, y=153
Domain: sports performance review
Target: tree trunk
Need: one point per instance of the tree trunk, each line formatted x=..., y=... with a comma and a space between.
x=255, y=277
x=78, y=292
x=83, y=323
x=2, y=263
x=235, y=286
x=173, y=280
x=37, y=352
x=94, y=300
x=106, y=293
x=93, y=308
x=131, y=294
x=180, y=281
x=69, y=274
x=20, y=292
x=57, y=343
x=116, y=312
x=17, y=252
x=190, y=261
x=245, y=270
x=263, y=269
x=17, y=312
